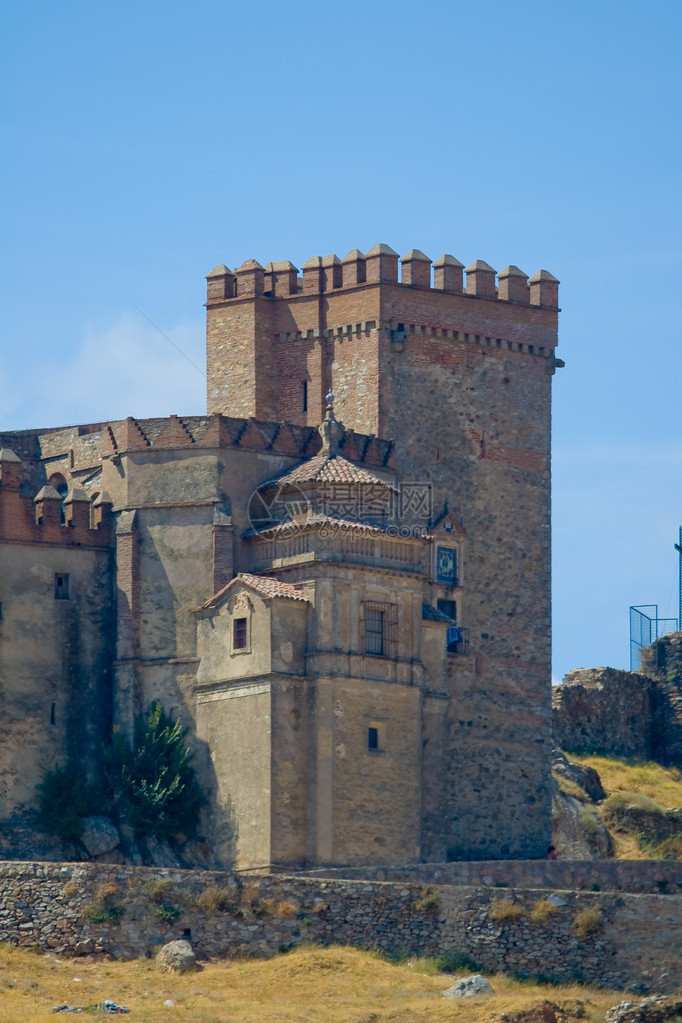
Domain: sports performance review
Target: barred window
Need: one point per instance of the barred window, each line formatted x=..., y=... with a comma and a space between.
x=380, y=628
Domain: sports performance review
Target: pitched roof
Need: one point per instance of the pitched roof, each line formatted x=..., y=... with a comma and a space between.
x=263, y=584
x=324, y=468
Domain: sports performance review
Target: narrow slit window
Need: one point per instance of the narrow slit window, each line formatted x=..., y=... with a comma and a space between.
x=304, y=396
x=53, y=714
x=239, y=634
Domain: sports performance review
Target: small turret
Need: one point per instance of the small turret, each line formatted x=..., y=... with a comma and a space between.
x=77, y=509
x=416, y=269
x=221, y=284
x=10, y=469
x=544, y=289
x=250, y=279
x=382, y=265
x=513, y=285
x=354, y=268
x=481, y=280
x=48, y=504
x=448, y=274
x=281, y=278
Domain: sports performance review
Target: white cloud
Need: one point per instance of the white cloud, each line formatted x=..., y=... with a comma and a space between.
x=126, y=369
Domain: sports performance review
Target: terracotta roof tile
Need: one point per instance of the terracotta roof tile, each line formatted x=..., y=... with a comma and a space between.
x=264, y=584
x=337, y=469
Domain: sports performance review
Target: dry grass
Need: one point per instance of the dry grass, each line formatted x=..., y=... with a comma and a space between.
x=650, y=780
x=337, y=985
x=663, y=784
x=587, y=921
x=504, y=910
x=542, y=911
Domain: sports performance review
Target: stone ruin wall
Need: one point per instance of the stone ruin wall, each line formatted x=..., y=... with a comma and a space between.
x=636, y=943
x=633, y=715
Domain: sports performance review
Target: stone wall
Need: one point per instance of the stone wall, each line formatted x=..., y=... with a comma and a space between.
x=630, y=714
x=634, y=940
x=588, y=875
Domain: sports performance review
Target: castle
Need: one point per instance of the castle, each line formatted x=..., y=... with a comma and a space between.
x=338, y=578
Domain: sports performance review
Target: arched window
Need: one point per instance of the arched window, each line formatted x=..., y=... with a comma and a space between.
x=57, y=481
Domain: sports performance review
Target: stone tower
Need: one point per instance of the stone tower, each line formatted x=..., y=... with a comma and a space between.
x=458, y=377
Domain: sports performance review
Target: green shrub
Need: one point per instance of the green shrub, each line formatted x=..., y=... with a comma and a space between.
x=104, y=913
x=622, y=806
x=63, y=801
x=167, y=912
x=156, y=887
x=155, y=778
x=589, y=822
x=454, y=962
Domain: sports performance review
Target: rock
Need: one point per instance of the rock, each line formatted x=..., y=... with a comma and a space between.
x=85, y=948
x=99, y=835
x=161, y=854
x=468, y=987
x=655, y=1009
x=577, y=831
x=177, y=957
x=586, y=777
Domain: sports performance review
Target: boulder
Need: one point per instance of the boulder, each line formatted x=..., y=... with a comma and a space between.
x=99, y=835
x=586, y=777
x=160, y=854
x=468, y=987
x=177, y=957
x=577, y=831
x=655, y=1009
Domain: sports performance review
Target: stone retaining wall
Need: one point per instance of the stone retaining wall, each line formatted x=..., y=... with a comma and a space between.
x=588, y=875
x=131, y=911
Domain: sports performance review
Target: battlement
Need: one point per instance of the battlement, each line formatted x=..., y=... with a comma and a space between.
x=47, y=517
x=324, y=274
x=218, y=431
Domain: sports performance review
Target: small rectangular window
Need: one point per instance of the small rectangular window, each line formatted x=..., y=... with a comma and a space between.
x=0, y=610
x=239, y=634
x=61, y=586
x=53, y=714
x=304, y=402
x=372, y=738
x=449, y=608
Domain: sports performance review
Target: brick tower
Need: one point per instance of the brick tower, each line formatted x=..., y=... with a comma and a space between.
x=458, y=376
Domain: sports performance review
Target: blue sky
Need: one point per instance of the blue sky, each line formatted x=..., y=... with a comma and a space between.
x=144, y=143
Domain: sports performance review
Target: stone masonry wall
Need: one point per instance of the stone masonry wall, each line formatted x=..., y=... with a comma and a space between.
x=626, y=714
x=589, y=875
x=130, y=911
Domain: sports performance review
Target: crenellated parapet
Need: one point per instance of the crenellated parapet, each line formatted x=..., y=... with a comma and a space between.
x=382, y=265
x=218, y=432
x=47, y=518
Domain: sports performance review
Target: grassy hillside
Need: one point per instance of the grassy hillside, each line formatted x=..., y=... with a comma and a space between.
x=643, y=810
x=336, y=985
